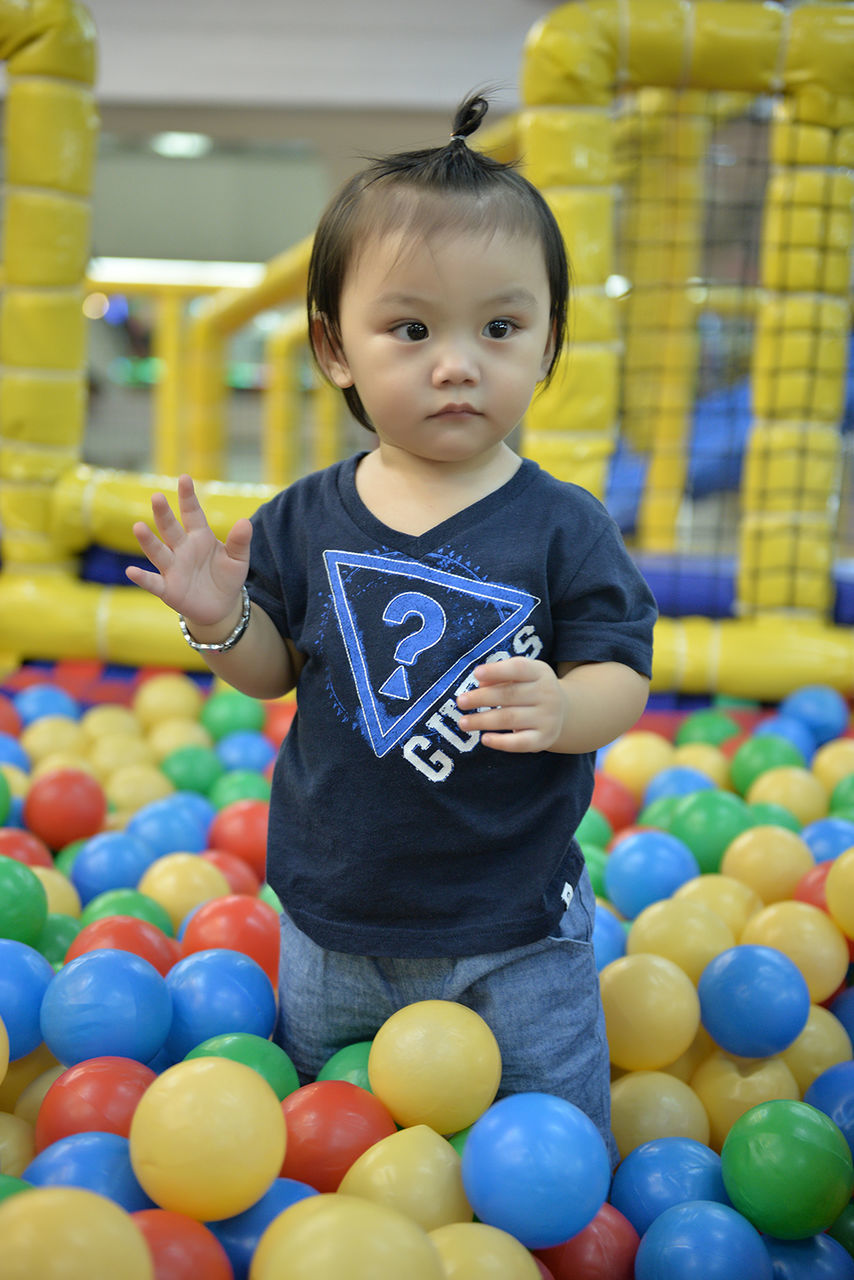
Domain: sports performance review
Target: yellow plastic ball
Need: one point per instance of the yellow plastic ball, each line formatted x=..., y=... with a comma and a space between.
x=60, y=760
x=207, y=1138
x=809, y=937
x=771, y=860
x=109, y=719
x=652, y=1011
x=29, y=1103
x=4, y=1051
x=173, y=734
x=839, y=888
x=685, y=932
x=635, y=759
x=414, y=1171
x=51, y=734
x=65, y=1233
x=474, y=1251
x=733, y=900
x=795, y=789
x=21, y=1072
x=164, y=696
x=708, y=759
x=332, y=1236
x=17, y=1146
x=181, y=881
x=437, y=1063
x=727, y=1087
x=646, y=1105
x=62, y=897
x=700, y=1048
x=133, y=785
x=113, y=751
x=18, y=780
x=833, y=762
x=823, y=1043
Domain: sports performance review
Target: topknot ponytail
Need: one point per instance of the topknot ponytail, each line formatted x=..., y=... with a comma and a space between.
x=468, y=117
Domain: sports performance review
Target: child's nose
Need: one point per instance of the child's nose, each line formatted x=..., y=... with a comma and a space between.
x=455, y=363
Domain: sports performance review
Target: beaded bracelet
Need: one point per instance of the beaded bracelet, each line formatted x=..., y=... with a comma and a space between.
x=221, y=646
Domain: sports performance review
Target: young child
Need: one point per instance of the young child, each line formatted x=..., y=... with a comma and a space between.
x=463, y=630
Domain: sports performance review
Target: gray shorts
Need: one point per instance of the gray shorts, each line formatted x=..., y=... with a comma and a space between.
x=541, y=1002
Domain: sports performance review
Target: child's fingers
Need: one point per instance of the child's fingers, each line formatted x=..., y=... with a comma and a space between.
x=238, y=540
x=150, y=582
x=189, y=507
x=157, y=552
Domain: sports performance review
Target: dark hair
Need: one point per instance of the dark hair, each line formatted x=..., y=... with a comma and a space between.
x=413, y=190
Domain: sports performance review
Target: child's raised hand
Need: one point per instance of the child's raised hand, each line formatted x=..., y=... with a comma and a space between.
x=519, y=705
x=199, y=576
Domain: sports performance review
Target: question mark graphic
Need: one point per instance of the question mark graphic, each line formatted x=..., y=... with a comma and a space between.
x=432, y=615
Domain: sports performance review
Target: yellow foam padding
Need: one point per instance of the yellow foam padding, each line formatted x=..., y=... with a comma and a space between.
x=89, y=505
x=28, y=463
x=791, y=468
x=585, y=218
x=792, y=143
x=820, y=47
x=843, y=150
x=46, y=238
x=53, y=38
x=565, y=147
x=582, y=396
x=799, y=367
x=42, y=411
x=52, y=131
x=582, y=460
x=592, y=316
x=734, y=47
x=785, y=562
x=42, y=330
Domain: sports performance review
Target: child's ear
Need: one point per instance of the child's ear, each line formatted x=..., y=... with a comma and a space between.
x=328, y=353
x=548, y=356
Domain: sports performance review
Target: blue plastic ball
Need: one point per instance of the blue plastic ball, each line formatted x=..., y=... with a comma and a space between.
x=536, y=1166
x=754, y=1001
x=106, y=1003
x=678, y=780
x=833, y=1093
x=245, y=749
x=828, y=837
x=40, y=700
x=646, y=867
x=816, y=1258
x=662, y=1173
x=609, y=938
x=217, y=991
x=111, y=860
x=842, y=1007
x=822, y=708
x=11, y=752
x=94, y=1161
x=25, y=976
x=170, y=825
x=239, y=1235
x=793, y=730
x=702, y=1240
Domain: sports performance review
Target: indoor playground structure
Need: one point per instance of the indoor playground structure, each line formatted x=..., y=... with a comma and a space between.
x=698, y=156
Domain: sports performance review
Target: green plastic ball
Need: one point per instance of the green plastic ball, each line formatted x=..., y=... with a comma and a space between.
x=268, y=1059
x=757, y=755
x=230, y=711
x=5, y=798
x=23, y=902
x=239, y=784
x=842, y=796
x=128, y=902
x=708, y=822
x=596, y=859
x=349, y=1063
x=711, y=726
x=193, y=768
x=56, y=937
x=659, y=813
x=595, y=828
x=766, y=814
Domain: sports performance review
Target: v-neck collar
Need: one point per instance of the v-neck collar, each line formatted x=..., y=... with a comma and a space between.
x=441, y=533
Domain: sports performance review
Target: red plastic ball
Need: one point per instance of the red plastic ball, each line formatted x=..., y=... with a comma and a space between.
x=97, y=1094
x=240, y=876
x=10, y=721
x=277, y=722
x=614, y=800
x=65, y=805
x=604, y=1250
x=127, y=933
x=24, y=847
x=182, y=1248
x=241, y=828
x=811, y=888
x=238, y=923
x=329, y=1124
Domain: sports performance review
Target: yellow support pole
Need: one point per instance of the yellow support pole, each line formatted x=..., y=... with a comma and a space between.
x=283, y=401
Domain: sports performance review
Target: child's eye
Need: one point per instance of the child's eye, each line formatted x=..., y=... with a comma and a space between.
x=499, y=328
x=411, y=331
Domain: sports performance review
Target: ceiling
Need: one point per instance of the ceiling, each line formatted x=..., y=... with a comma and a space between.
x=292, y=54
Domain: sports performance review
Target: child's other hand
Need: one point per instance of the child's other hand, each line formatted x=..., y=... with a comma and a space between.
x=520, y=705
x=199, y=576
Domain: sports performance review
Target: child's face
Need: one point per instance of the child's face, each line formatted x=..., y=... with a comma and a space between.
x=445, y=340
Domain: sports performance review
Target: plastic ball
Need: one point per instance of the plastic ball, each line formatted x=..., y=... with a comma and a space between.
x=65, y=805
x=126, y=933
x=609, y=937
x=268, y=1059
x=787, y=1167
x=239, y=784
x=662, y=1173
x=754, y=1001
x=414, y=1171
x=106, y=1004
x=164, y=696
x=731, y=899
x=676, y=780
x=707, y=823
x=709, y=725
x=594, y=828
x=702, y=1240
x=127, y=902
x=474, y=1251
x=229, y=711
x=774, y=815
x=16, y=1144
x=842, y=1008
x=240, y=876
x=278, y=718
x=32, y=1097
x=98, y=1162
x=181, y=1248
x=833, y=762
x=214, y=992
x=241, y=828
x=112, y=860
x=708, y=760
x=42, y=699
x=796, y=788
x=62, y=897
x=536, y=1166
x=245, y=749
x=114, y=751
x=50, y=734
x=809, y=938
x=613, y=798
x=207, y=1138
x=10, y=1186
x=759, y=755
x=435, y=1062
x=182, y=881
x=833, y=1093
x=603, y=1250
x=729, y=1087
x=21, y=1073
x=23, y=902
x=132, y=787
x=25, y=976
x=821, y=707
x=818, y=1258
x=239, y=923
x=100, y=1094
x=239, y=1235
x=330, y=1124
x=635, y=758
x=842, y=1229
x=651, y=1011
x=193, y=768
x=170, y=825
x=646, y=867
x=60, y=1232
x=828, y=837
x=12, y=753
x=823, y=1043
x=108, y=718
x=793, y=730
x=685, y=932
x=646, y=1105
x=770, y=860
x=24, y=847
x=329, y=1236
x=839, y=891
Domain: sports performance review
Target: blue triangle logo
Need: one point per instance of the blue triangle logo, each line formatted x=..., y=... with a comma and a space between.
x=412, y=632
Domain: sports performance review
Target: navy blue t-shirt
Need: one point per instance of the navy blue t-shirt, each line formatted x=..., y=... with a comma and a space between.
x=392, y=831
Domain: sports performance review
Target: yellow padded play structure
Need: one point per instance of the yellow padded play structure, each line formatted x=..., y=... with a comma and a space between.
x=622, y=100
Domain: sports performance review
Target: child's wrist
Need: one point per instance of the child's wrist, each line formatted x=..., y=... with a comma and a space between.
x=218, y=637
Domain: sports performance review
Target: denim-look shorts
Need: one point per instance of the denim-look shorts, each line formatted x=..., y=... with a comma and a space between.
x=541, y=1002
